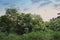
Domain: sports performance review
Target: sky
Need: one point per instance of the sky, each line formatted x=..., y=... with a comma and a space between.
x=47, y=9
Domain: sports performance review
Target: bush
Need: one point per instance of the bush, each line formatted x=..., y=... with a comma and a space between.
x=56, y=36
x=3, y=36
x=30, y=36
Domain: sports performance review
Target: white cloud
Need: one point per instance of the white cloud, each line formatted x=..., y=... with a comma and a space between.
x=47, y=12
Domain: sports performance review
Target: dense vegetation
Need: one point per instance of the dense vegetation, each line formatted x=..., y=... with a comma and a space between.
x=21, y=26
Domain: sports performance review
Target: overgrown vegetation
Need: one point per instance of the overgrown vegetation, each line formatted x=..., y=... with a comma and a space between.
x=21, y=26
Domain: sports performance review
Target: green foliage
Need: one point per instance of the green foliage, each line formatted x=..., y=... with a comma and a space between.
x=3, y=36
x=32, y=36
x=56, y=36
x=13, y=22
x=54, y=24
x=15, y=26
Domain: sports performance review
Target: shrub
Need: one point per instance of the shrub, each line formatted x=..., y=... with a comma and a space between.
x=56, y=36
x=3, y=36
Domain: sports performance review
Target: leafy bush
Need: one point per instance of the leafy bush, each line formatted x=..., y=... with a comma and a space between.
x=32, y=36
x=56, y=36
x=3, y=36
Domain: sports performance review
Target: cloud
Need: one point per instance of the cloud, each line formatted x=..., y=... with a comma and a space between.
x=57, y=0
x=45, y=3
x=41, y=2
x=43, y=7
x=35, y=1
x=5, y=4
x=25, y=9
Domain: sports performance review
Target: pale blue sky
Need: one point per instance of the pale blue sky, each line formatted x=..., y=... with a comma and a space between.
x=23, y=4
x=28, y=5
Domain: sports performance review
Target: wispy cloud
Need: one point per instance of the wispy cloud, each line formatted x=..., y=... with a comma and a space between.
x=45, y=3
x=35, y=1
x=33, y=6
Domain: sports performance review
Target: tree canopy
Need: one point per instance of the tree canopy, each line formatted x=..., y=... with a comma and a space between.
x=21, y=26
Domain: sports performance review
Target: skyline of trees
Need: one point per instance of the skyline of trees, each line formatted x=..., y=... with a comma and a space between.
x=27, y=24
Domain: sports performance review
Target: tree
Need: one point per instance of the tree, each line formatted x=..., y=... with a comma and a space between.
x=5, y=24
x=54, y=24
x=8, y=21
x=21, y=23
x=37, y=23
